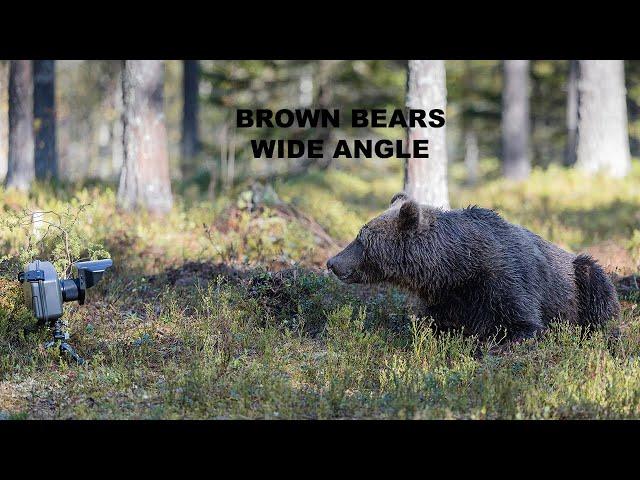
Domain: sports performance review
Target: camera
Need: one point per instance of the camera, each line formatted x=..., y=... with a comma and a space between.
x=44, y=293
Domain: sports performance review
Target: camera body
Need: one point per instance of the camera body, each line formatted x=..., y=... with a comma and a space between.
x=45, y=293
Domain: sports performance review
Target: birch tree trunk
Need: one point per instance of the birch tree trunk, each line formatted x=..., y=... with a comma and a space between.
x=4, y=117
x=603, y=135
x=44, y=112
x=572, y=113
x=190, y=143
x=144, y=180
x=425, y=179
x=516, y=121
x=20, y=168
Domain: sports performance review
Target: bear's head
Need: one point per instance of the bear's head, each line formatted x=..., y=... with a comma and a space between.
x=382, y=250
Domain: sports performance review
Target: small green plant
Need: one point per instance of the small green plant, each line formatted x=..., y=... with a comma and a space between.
x=53, y=236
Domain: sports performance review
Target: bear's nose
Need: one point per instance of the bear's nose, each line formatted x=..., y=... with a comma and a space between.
x=330, y=264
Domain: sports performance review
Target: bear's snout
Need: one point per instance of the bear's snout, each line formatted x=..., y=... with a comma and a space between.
x=337, y=267
x=330, y=263
x=346, y=264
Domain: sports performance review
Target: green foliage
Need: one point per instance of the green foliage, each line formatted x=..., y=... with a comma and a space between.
x=14, y=314
x=56, y=232
x=342, y=200
x=563, y=205
x=62, y=248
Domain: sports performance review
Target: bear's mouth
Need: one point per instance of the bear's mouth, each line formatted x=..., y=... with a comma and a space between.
x=350, y=277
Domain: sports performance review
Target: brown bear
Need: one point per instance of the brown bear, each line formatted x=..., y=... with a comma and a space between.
x=477, y=272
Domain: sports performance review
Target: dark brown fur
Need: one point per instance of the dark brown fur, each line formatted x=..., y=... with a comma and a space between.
x=476, y=271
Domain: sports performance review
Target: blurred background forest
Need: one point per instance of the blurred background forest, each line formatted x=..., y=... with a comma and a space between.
x=88, y=107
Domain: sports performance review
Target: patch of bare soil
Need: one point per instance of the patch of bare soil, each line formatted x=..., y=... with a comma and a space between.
x=14, y=396
x=627, y=285
x=193, y=273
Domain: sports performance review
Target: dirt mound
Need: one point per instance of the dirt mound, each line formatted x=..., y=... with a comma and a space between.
x=627, y=285
x=192, y=273
x=259, y=197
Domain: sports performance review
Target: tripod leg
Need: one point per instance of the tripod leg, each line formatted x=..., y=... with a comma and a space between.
x=65, y=347
x=60, y=338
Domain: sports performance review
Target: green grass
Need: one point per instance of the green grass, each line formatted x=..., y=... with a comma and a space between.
x=222, y=312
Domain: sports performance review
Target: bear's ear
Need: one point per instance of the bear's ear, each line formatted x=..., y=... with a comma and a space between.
x=409, y=216
x=398, y=197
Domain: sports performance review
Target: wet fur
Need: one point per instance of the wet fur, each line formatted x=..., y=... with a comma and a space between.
x=475, y=271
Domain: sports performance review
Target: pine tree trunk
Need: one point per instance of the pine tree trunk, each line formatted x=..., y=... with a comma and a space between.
x=572, y=113
x=516, y=121
x=4, y=117
x=44, y=112
x=603, y=135
x=144, y=180
x=20, y=168
x=425, y=179
x=190, y=144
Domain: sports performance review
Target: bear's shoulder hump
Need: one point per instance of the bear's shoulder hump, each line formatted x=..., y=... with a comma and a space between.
x=480, y=213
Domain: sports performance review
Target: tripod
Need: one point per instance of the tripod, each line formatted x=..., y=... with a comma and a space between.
x=60, y=338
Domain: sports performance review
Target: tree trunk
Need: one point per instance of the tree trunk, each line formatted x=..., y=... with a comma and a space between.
x=20, y=169
x=44, y=112
x=190, y=144
x=425, y=179
x=4, y=115
x=516, y=125
x=603, y=135
x=572, y=113
x=144, y=180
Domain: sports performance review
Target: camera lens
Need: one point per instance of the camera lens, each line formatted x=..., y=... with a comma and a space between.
x=70, y=291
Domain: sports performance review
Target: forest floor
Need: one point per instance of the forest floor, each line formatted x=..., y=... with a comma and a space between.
x=224, y=309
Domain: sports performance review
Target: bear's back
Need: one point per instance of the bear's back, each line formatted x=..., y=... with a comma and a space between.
x=538, y=269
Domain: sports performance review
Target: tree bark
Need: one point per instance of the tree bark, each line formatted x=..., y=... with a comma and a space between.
x=44, y=112
x=516, y=121
x=20, y=168
x=190, y=144
x=603, y=135
x=4, y=116
x=144, y=180
x=425, y=179
x=572, y=113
